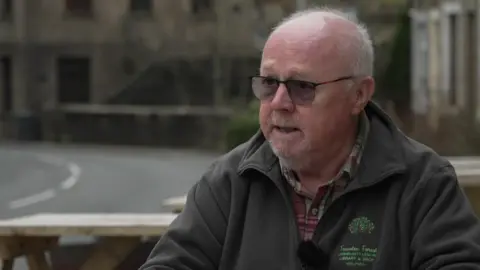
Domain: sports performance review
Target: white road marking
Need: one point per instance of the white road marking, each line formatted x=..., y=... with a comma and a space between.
x=73, y=178
x=48, y=194
x=33, y=199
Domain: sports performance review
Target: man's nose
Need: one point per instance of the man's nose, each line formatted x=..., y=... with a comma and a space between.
x=282, y=100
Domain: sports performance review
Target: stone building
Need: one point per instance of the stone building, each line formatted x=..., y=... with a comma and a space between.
x=84, y=51
x=445, y=73
x=60, y=53
x=444, y=58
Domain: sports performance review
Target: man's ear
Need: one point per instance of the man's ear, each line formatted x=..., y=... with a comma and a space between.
x=364, y=93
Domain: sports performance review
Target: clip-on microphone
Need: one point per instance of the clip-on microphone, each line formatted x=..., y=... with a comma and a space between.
x=312, y=256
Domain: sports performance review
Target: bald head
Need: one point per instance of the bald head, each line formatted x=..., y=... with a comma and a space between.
x=333, y=32
x=315, y=21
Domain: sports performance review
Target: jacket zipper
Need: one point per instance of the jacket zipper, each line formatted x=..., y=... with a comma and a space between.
x=299, y=265
x=297, y=236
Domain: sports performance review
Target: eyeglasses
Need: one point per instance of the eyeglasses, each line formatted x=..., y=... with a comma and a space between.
x=300, y=92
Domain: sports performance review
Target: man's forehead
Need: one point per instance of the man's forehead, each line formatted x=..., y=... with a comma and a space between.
x=312, y=31
x=298, y=59
x=290, y=53
x=311, y=27
x=306, y=42
x=296, y=36
x=273, y=67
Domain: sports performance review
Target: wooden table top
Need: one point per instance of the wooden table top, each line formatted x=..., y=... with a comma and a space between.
x=87, y=224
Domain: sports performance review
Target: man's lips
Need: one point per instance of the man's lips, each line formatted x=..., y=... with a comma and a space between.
x=285, y=129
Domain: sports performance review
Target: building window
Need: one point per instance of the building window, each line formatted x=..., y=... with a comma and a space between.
x=73, y=79
x=141, y=6
x=201, y=6
x=79, y=7
x=6, y=9
x=6, y=85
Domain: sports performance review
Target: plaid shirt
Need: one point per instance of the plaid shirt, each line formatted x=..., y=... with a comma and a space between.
x=310, y=206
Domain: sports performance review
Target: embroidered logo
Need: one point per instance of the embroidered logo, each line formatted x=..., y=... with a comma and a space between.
x=361, y=225
x=358, y=255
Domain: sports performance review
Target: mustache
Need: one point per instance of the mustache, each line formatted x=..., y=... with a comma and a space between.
x=282, y=121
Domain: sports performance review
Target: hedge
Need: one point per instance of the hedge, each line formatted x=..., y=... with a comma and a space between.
x=242, y=126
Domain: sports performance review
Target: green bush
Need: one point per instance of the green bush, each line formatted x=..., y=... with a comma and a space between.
x=394, y=83
x=242, y=126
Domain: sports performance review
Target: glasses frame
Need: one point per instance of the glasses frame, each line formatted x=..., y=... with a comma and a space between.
x=291, y=92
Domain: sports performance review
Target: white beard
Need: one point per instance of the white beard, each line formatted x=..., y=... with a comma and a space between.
x=292, y=162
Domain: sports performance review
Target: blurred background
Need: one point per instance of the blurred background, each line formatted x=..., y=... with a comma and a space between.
x=173, y=73
x=116, y=105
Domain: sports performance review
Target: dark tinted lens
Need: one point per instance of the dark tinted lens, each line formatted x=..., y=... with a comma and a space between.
x=301, y=92
x=264, y=87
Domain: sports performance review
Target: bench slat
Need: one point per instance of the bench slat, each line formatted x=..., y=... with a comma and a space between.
x=87, y=224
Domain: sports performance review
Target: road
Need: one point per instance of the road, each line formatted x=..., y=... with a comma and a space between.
x=42, y=178
x=47, y=178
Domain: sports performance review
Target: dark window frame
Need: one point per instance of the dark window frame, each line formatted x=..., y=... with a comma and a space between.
x=141, y=8
x=7, y=10
x=67, y=86
x=202, y=6
x=79, y=8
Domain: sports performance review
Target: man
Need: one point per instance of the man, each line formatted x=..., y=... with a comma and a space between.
x=329, y=182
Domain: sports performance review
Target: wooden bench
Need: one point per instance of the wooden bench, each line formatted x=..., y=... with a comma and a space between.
x=33, y=236
x=470, y=181
x=175, y=204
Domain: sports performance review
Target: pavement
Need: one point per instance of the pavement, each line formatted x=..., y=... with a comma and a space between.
x=93, y=179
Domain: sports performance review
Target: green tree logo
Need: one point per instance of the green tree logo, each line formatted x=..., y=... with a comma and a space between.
x=361, y=225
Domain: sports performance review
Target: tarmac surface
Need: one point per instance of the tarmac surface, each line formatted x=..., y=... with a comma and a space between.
x=93, y=179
